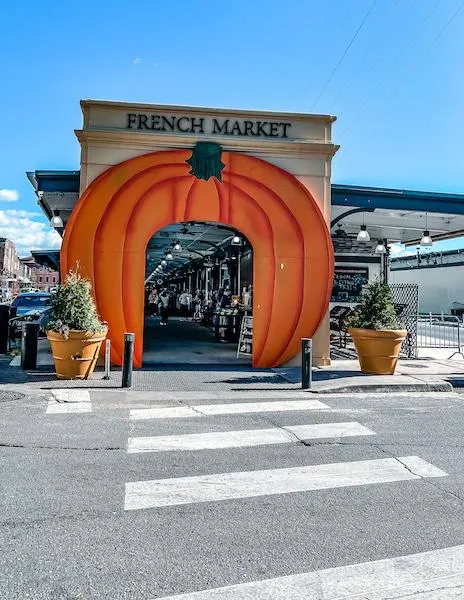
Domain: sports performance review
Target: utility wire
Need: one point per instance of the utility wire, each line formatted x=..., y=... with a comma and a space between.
x=344, y=54
x=396, y=60
x=390, y=13
x=326, y=22
x=414, y=66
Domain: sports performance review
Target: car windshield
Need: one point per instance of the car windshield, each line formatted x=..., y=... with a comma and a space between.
x=33, y=301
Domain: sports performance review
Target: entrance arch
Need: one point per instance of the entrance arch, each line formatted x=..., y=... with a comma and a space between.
x=118, y=213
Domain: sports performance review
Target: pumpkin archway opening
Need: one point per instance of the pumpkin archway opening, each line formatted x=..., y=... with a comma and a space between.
x=198, y=288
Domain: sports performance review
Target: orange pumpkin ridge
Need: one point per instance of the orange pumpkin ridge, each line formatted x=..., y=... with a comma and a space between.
x=262, y=242
x=109, y=273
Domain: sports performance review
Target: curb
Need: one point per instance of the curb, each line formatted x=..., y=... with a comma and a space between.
x=435, y=386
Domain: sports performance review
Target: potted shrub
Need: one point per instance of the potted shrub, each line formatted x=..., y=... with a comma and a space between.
x=74, y=329
x=374, y=329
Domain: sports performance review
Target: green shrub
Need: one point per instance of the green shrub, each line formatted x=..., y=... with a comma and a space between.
x=376, y=309
x=73, y=308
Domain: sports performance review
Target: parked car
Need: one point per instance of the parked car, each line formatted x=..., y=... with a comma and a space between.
x=30, y=307
x=31, y=303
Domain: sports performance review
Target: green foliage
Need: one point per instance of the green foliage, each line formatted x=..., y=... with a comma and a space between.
x=73, y=307
x=376, y=309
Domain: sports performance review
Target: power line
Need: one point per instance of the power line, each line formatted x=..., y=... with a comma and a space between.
x=414, y=66
x=400, y=55
x=390, y=14
x=323, y=27
x=344, y=53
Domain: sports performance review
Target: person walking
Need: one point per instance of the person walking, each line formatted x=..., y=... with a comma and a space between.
x=153, y=301
x=164, y=307
x=197, y=314
x=184, y=303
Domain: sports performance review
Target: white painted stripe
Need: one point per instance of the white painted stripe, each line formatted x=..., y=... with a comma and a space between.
x=69, y=401
x=71, y=395
x=433, y=575
x=203, y=410
x=249, y=437
x=248, y=484
x=236, y=394
x=54, y=408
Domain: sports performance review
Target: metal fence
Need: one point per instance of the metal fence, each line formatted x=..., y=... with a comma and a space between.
x=440, y=331
x=405, y=297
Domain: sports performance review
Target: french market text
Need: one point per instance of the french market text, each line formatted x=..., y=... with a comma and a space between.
x=200, y=125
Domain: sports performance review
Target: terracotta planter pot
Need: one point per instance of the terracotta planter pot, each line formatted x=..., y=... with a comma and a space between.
x=378, y=349
x=76, y=356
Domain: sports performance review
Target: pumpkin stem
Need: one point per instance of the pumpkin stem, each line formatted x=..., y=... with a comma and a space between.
x=206, y=161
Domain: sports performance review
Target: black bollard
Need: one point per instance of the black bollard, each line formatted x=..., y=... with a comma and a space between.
x=306, y=363
x=29, y=341
x=129, y=339
x=107, y=359
x=4, y=327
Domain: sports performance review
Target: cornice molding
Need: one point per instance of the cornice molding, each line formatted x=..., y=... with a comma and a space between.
x=207, y=111
x=133, y=139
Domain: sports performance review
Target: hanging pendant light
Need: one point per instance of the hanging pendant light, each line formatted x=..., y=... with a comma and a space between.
x=163, y=263
x=236, y=240
x=169, y=255
x=380, y=248
x=363, y=235
x=426, y=239
x=177, y=246
x=56, y=220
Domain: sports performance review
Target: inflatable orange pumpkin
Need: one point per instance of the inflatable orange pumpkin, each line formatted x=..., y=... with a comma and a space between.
x=119, y=212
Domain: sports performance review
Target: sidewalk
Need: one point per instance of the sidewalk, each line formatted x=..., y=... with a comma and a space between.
x=343, y=376
x=412, y=375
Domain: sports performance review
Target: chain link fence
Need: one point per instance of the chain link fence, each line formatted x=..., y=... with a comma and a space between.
x=406, y=300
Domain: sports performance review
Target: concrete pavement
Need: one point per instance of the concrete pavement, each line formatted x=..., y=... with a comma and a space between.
x=386, y=481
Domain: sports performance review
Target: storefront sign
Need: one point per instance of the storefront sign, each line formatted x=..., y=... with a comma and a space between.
x=210, y=126
x=245, y=342
x=348, y=283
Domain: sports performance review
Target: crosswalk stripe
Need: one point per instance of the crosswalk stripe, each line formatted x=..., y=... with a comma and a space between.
x=433, y=574
x=248, y=437
x=236, y=394
x=203, y=410
x=69, y=401
x=248, y=484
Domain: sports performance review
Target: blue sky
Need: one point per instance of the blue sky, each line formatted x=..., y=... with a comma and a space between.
x=391, y=70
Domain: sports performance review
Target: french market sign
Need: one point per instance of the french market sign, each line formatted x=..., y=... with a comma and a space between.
x=210, y=126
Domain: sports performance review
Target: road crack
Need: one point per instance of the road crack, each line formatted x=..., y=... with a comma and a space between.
x=93, y=448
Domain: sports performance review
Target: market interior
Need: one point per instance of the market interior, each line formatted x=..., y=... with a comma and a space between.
x=198, y=295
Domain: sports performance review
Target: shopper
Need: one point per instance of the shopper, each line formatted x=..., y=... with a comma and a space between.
x=153, y=300
x=224, y=319
x=197, y=304
x=164, y=307
x=185, y=300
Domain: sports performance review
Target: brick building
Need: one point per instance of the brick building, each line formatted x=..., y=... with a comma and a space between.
x=42, y=278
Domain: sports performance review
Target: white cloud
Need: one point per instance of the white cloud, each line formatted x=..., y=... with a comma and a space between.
x=8, y=195
x=137, y=60
x=397, y=250
x=28, y=233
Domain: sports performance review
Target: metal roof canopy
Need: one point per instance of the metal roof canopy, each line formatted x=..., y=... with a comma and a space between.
x=199, y=240
x=398, y=215
x=47, y=258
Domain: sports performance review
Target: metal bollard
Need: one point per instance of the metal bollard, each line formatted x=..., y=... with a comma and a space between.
x=306, y=363
x=129, y=339
x=107, y=359
x=29, y=341
x=4, y=327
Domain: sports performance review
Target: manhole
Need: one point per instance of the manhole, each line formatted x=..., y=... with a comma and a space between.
x=10, y=396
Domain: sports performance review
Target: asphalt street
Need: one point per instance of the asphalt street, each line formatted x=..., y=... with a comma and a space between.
x=103, y=499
